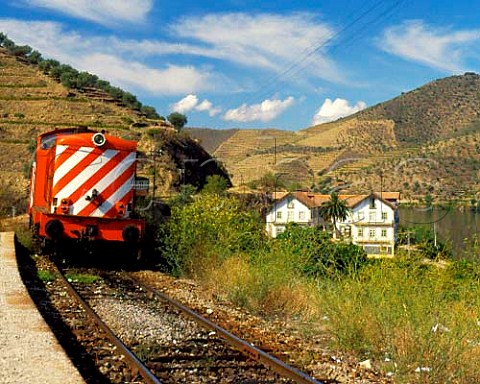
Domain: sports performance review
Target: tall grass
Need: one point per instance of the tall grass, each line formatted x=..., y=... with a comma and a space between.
x=421, y=319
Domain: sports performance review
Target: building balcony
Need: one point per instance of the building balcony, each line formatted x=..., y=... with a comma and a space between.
x=374, y=241
x=388, y=223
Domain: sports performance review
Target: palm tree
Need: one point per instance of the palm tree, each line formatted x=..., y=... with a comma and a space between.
x=334, y=209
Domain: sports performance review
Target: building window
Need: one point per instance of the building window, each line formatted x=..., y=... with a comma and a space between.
x=290, y=203
x=372, y=249
x=372, y=217
x=360, y=232
x=360, y=215
x=372, y=203
x=371, y=233
x=291, y=215
x=280, y=230
x=384, y=216
x=279, y=214
x=301, y=215
x=385, y=250
x=384, y=233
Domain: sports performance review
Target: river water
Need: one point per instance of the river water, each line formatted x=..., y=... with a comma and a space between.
x=451, y=225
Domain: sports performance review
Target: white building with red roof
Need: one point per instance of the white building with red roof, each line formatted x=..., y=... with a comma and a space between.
x=372, y=222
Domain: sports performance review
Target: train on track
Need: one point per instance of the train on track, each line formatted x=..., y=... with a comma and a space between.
x=82, y=190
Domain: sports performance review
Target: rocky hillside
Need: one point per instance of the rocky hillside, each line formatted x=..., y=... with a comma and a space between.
x=423, y=141
x=32, y=102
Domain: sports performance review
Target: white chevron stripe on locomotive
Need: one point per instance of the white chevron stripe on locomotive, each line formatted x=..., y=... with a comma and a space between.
x=79, y=179
x=92, y=175
x=112, y=200
x=74, y=159
x=107, y=180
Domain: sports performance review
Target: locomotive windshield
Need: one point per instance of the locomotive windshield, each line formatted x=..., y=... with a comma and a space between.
x=48, y=142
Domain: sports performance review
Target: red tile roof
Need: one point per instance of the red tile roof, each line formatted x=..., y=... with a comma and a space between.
x=312, y=200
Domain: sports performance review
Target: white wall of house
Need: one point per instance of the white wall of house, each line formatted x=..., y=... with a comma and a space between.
x=285, y=211
x=371, y=224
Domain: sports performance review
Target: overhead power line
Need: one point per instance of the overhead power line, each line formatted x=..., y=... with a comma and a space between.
x=272, y=84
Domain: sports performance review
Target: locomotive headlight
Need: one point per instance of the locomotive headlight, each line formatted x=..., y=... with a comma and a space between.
x=99, y=139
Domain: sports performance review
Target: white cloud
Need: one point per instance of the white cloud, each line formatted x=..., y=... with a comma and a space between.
x=333, y=110
x=186, y=104
x=100, y=11
x=437, y=48
x=273, y=42
x=99, y=56
x=191, y=102
x=170, y=80
x=292, y=45
x=207, y=106
x=265, y=111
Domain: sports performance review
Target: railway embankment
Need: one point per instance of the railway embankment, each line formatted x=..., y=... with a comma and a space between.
x=29, y=352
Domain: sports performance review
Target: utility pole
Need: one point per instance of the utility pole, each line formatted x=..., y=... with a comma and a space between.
x=274, y=151
x=155, y=153
x=154, y=174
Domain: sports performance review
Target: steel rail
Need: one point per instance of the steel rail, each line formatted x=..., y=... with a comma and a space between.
x=133, y=360
x=248, y=349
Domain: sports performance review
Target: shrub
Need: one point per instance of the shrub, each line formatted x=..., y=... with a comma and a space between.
x=209, y=226
x=215, y=184
x=319, y=255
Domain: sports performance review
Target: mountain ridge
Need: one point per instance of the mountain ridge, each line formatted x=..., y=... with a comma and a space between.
x=425, y=141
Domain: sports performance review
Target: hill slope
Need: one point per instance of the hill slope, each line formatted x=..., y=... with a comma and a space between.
x=423, y=141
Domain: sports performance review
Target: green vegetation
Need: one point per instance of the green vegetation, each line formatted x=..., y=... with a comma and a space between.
x=46, y=276
x=215, y=184
x=424, y=244
x=317, y=255
x=415, y=318
x=82, y=278
x=334, y=209
x=269, y=182
x=209, y=227
x=178, y=120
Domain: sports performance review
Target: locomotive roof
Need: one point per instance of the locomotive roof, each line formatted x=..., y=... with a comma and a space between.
x=83, y=137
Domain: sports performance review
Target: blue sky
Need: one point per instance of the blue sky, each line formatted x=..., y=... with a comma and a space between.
x=254, y=64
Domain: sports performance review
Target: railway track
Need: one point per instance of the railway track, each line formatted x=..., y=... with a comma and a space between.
x=244, y=361
x=151, y=338
x=136, y=366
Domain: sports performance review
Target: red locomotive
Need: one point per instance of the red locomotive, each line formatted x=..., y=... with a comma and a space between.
x=82, y=188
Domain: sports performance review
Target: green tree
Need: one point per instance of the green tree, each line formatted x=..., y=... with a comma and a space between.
x=21, y=50
x=184, y=196
x=334, y=209
x=215, y=184
x=428, y=200
x=178, y=120
x=35, y=57
x=3, y=38
x=269, y=182
x=150, y=112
